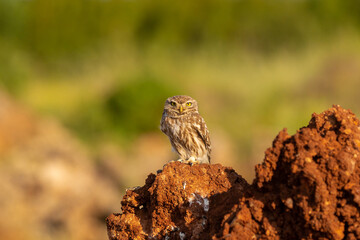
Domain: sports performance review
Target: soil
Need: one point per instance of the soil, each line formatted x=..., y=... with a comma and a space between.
x=307, y=187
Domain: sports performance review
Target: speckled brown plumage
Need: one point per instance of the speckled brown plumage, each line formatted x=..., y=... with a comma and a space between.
x=186, y=129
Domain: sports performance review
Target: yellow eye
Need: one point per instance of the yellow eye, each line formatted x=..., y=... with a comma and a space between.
x=173, y=104
x=189, y=104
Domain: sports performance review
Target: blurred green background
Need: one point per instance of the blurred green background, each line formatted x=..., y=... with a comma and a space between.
x=103, y=69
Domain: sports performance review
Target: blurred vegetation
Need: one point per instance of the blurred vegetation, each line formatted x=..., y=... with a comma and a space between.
x=53, y=30
x=127, y=111
x=105, y=68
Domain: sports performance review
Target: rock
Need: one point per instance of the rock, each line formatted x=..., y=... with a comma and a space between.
x=174, y=204
x=308, y=187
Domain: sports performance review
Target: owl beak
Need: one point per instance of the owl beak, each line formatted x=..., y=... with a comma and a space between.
x=181, y=109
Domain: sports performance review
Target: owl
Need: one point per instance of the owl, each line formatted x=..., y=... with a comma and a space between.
x=186, y=129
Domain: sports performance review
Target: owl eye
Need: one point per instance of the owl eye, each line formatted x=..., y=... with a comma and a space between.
x=173, y=104
x=189, y=104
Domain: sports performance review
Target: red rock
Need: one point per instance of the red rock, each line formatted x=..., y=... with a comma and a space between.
x=182, y=201
x=308, y=187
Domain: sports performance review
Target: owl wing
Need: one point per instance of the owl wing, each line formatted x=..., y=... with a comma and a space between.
x=202, y=130
x=162, y=124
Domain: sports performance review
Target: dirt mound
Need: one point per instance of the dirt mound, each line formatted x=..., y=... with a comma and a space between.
x=177, y=203
x=308, y=187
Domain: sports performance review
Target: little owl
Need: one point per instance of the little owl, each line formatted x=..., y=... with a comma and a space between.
x=186, y=129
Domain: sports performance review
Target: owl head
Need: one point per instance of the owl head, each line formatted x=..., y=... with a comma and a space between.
x=180, y=105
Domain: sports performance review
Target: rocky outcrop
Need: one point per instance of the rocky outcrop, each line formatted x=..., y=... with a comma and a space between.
x=308, y=187
x=180, y=202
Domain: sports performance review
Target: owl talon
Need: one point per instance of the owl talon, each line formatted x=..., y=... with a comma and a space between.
x=178, y=160
x=191, y=161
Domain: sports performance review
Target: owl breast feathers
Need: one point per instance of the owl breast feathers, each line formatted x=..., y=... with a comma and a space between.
x=186, y=129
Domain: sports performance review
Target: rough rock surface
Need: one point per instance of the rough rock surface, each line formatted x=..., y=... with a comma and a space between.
x=308, y=187
x=178, y=203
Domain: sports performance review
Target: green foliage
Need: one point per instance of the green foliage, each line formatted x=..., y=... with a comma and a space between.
x=136, y=107
x=13, y=68
x=216, y=48
x=128, y=110
x=68, y=29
